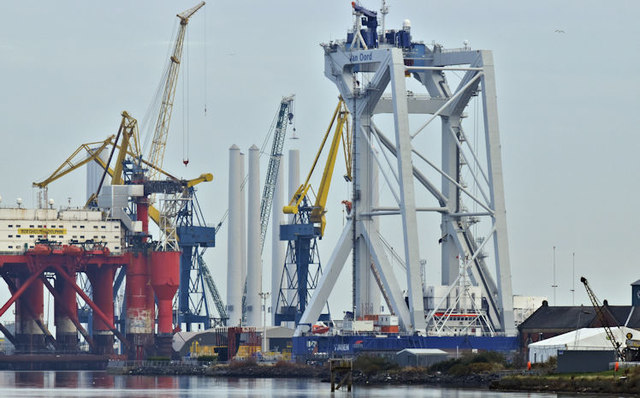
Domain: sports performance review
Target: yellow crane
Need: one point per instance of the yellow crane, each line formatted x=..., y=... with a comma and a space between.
x=129, y=146
x=301, y=271
x=159, y=143
x=93, y=151
x=342, y=135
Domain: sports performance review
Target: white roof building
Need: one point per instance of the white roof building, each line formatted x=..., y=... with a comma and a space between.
x=581, y=339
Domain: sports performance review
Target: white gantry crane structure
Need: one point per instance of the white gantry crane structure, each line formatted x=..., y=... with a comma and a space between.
x=372, y=71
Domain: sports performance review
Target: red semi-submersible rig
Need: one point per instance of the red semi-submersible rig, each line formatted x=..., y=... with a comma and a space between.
x=102, y=244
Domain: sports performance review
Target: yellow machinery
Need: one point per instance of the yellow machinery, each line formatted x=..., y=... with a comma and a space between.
x=197, y=350
x=129, y=146
x=341, y=134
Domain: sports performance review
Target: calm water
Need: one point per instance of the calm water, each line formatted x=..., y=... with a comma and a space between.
x=100, y=384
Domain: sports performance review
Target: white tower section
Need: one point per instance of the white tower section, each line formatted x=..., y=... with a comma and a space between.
x=94, y=174
x=277, y=246
x=254, y=262
x=294, y=184
x=372, y=81
x=294, y=176
x=243, y=227
x=234, y=242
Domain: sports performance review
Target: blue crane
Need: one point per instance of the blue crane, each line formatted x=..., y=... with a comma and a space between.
x=194, y=237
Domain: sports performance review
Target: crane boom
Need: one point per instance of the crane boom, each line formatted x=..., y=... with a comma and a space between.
x=129, y=131
x=341, y=134
x=159, y=142
x=599, y=308
x=74, y=161
x=284, y=115
x=211, y=286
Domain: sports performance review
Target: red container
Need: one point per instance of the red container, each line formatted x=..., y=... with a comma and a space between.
x=390, y=329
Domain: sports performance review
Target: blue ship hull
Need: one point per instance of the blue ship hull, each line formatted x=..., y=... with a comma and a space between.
x=308, y=347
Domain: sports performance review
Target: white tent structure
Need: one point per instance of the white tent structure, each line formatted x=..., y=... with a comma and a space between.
x=581, y=339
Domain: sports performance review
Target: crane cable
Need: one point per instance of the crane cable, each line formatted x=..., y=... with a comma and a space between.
x=206, y=69
x=153, y=109
x=185, y=104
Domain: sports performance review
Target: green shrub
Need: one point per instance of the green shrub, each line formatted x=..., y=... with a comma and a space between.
x=370, y=364
x=481, y=367
x=459, y=369
x=488, y=357
x=471, y=363
x=247, y=363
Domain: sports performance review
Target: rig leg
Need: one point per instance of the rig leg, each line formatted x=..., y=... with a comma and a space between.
x=101, y=279
x=66, y=332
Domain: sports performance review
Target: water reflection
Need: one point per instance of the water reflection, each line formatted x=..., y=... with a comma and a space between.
x=101, y=384
x=100, y=379
x=29, y=379
x=66, y=379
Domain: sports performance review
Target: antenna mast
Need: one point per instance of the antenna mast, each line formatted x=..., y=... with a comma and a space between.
x=384, y=10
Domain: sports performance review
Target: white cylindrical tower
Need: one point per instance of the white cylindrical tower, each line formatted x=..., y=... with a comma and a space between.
x=277, y=246
x=294, y=184
x=94, y=174
x=294, y=175
x=234, y=242
x=254, y=262
x=243, y=226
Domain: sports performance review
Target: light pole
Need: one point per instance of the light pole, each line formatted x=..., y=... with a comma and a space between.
x=555, y=285
x=265, y=297
x=573, y=278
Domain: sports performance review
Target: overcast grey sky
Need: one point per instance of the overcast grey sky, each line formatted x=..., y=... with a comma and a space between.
x=567, y=104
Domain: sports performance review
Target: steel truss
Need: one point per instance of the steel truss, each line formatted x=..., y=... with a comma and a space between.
x=362, y=75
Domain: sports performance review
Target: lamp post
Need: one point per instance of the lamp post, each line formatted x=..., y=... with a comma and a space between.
x=265, y=297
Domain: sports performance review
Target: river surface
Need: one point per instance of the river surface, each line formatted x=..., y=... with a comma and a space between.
x=100, y=384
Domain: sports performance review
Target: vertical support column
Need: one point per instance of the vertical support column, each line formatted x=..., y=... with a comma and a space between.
x=277, y=247
x=254, y=262
x=407, y=194
x=362, y=203
x=450, y=166
x=367, y=291
x=140, y=317
x=234, y=242
x=29, y=310
x=142, y=214
x=184, y=313
x=302, y=248
x=165, y=279
x=501, y=243
x=373, y=291
x=101, y=278
x=66, y=332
